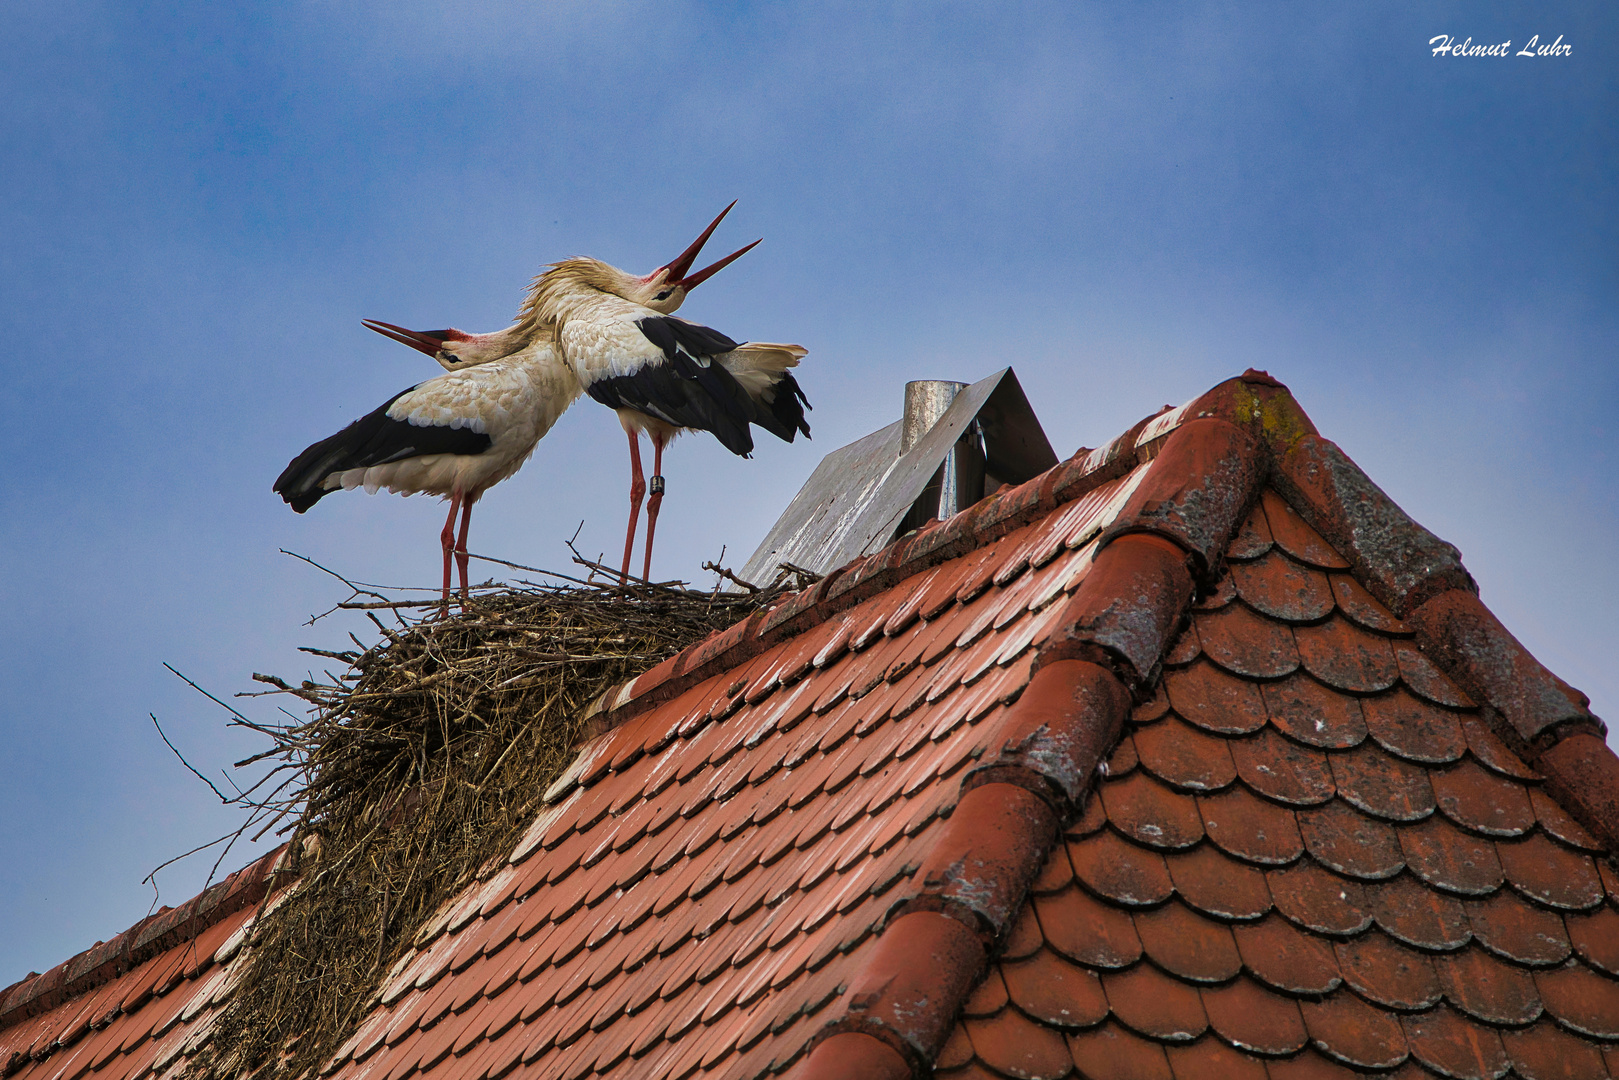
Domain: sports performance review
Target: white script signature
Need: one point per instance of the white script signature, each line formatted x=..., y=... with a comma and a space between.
x=1445, y=45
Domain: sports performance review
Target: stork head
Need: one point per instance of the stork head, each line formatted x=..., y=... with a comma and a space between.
x=565, y=285
x=452, y=348
x=665, y=288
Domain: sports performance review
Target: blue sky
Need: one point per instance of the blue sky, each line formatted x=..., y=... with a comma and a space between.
x=1127, y=203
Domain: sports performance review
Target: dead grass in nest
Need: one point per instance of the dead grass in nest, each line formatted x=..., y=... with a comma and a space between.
x=419, y=768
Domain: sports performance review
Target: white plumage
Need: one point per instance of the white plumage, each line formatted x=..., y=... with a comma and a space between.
x=661, y=374
x=454, y=436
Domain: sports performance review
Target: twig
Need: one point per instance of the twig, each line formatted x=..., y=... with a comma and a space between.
x=806, y=578
x=193, y=851
x=209, y=696
x=728, y=576
x=528, y=569
x=186, y=763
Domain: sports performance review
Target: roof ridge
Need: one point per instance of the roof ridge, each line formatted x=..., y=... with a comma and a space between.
x=1212, y=459
x=104, y=961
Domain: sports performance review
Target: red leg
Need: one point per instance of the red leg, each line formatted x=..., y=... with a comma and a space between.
x=461, y=547
x=446, y=539
x=653, y=503
x=637, y=493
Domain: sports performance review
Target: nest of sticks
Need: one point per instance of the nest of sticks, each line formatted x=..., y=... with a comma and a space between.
x=416, y=771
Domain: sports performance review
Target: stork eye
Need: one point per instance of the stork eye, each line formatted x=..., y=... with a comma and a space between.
x=664, y=295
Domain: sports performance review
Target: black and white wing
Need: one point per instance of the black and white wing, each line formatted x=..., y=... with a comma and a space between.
x=400, y=429
x=666, y=368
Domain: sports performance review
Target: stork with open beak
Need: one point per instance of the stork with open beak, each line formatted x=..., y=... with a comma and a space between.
x=664, y=375
x=454, y=436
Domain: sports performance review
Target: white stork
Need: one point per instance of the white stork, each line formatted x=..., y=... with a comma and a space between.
x=664, y=375
x=455, y=436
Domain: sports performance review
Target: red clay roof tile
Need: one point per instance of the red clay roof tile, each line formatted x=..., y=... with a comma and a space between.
x=1318, y=899
x=1362, y=607
x=1121, y=761
x=1407, y=909
x=1543, y=871
x=1488, y=748
x=1545, y=1052
x=1482, y=801
x=1253, y=537
x=1112, y=1050
x=1245, y=643
x=1280, y=769
x=1413, y=729
x=1187, y=944
x=1556, y=821
x=1448, y=1042
x=1214, y=700
x=1354, y=1032
x=1051, y=990
x=1025, y=938
x=1185, y=648
x=1512, y=927
x=1384, y=786
x=1314, y=714
x=1450, y=859
x=1348, y=841
x=1185, y=757
x=1289, y=959
x=1388, y=973
x=1295, y=537
x=785, y=866
x=1253, y=1018
x=1085, y=929
x=1218, y=595
x=1250, y=828
x=1211, y=1057
x=1490, y=990
x=1150, y=813
x=1344, y=656
x=957, y=1052
x=1595, y=936
x=1420, y=674
x=1154, y=1004
x=1277, y=586
x=1153, y=708
x=1218, y=885
x=1056, y=873
x=1112, y=867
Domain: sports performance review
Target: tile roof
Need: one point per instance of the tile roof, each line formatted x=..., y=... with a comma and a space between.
x=139, y=1003
x=1192, y=756
x=1309, y=854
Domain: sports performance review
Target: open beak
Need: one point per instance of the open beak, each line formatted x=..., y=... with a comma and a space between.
x=427, y=341
x=677, y=270
x=690, y=283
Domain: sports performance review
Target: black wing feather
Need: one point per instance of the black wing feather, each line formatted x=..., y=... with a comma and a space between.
x=690, y=390
x=660, y=391
x=374, y=439
x=694, y=392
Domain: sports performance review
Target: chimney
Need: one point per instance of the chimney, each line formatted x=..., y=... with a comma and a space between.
x=954, y=444
x=959, y=481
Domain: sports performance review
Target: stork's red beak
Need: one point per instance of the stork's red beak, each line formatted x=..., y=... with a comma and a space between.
x=690, y=283
x=427, y=341
x=677, y=276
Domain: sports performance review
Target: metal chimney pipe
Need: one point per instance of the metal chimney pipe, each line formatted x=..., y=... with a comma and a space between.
x=925, y=401
x=960, y=480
